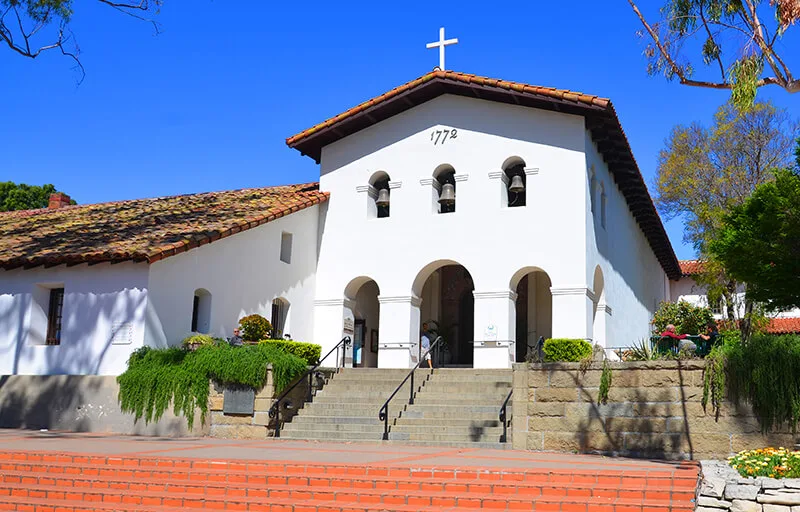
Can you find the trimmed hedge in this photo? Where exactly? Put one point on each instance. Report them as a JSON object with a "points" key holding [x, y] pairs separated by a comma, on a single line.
{"points": [[307, 351], [566, 350]]}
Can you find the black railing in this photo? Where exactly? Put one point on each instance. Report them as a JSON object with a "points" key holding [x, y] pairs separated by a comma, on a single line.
{"points": [[504, 417], [274, 411], [383, 414]]}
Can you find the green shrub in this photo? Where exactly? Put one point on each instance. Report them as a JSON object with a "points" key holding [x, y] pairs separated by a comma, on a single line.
{"points": [[687, 318], [255, 328], [198, 339], [307, 351], [566, 349], [157, 377]]}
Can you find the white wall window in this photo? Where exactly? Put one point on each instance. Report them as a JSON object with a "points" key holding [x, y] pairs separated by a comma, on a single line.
{"points": [[46, 313], [445, 177], [378, 195], [515, 181], [54, 310], [592, 188], [286, 247], [280, 312], [201, 311]]}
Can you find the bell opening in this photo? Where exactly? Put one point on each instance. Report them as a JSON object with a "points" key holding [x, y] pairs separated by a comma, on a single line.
{"points": [[516, 186]]}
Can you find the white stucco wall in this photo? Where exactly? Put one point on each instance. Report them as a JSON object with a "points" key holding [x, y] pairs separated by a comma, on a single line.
{"points": [[98, 301], [243, 274], [634, 281], [491, 240]]}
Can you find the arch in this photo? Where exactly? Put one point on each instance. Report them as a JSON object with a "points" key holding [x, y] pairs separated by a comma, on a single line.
{"points": [[378, 177], [599, 318], [598, 286], [533, 308], [280, 316], [515, 166], [364, 309], [378, 182], [426, 272], [351, 289], [201, 311]]}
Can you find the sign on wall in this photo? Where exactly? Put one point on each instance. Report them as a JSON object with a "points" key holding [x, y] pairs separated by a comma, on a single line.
{"points": [[121, 333]]}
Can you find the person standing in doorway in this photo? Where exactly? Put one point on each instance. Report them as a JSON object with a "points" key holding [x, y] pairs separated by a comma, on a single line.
{"points": [[425, 341]]}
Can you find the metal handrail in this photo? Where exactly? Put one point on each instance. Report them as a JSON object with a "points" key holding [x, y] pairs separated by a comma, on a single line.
{"points": [[383, 414], [504, 417], [274, 411]]}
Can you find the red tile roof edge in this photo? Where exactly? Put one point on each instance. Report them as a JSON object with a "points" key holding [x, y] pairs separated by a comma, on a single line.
{"points": [[561, 94], [691, 267], [783, 325]]}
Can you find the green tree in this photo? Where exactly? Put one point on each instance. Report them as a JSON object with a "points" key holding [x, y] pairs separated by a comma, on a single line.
{"points": [[739, 41], [705, 172], [759, 242], [33, 27], [20, 196]]}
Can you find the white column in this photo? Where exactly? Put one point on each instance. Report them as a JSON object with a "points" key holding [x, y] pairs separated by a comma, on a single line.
{"points": [[572, 312], [398, 337], [495, 329], [331, 325], [600, 324]]}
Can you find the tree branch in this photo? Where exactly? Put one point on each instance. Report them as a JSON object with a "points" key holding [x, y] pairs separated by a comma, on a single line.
{"points": [[710, 36]]}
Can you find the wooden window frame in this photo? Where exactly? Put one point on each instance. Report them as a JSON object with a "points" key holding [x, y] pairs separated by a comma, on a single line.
{"points": [[55, 309]]}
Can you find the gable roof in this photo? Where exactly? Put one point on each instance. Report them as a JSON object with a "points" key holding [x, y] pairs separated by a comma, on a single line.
{"points": [[142, 230], [601, 120]]}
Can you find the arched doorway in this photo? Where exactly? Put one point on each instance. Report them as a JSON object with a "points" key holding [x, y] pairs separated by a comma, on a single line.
{"points": [[534, 309], [362, 296], [448, 306]]}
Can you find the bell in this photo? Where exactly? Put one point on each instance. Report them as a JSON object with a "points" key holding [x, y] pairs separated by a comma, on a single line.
{"points": [[516, 184], [383, 197], [448, 195]]}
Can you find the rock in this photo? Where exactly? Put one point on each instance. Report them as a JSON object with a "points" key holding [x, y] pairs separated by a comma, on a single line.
{"points": [[781, 498], [770, 483], [708, 509], [705, 501], [792, 483], [777, 508], [741, 492], [712, 487], [740, 480], [745, 506]]}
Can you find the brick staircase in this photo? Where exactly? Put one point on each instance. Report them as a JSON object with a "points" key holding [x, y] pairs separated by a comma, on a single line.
{"points": [[452, 407], [43, 481]]}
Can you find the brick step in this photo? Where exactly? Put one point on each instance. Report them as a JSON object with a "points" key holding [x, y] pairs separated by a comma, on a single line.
{"points": [[243, 471], [458, 411], [89, 483], [308, 418], [437, 428], [331, 435], [466, 387], [339, 427], [467, 437], [405, 420], [247, 497], [484, 401]]}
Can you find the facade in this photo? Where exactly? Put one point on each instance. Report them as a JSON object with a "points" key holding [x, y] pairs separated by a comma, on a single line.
{"points": [[495, 212]]}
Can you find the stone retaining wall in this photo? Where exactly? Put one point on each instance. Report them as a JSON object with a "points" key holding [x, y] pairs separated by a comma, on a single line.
{"points": [[723, 490], [653, 410]]}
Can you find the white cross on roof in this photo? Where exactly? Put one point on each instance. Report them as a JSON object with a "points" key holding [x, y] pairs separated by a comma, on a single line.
{"points": [[441, 43]]}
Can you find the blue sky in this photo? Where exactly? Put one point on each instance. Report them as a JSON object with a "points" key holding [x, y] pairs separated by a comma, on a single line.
{"points": [[208, 103]]}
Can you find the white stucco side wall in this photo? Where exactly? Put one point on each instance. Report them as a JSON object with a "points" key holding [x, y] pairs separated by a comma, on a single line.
{"points": [[102, 319], [491, 240], [634, 282], [243, 274]]}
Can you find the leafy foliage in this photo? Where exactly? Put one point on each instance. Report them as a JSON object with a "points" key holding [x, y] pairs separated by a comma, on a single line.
{"points": [[762, 373], [157, 377], [198, 339], [769, 462], [733, 38], [566, 350], [255, 328], [687, 318], [759, 242], [309, 352], [20, 196], [605, 383], [641, 351]]}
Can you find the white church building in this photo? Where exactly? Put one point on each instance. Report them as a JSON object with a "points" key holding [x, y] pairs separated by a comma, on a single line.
{"points": [[496, 211]]}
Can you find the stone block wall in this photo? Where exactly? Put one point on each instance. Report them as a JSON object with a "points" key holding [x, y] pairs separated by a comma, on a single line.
{"points": [[722, 489], [653, 410]]}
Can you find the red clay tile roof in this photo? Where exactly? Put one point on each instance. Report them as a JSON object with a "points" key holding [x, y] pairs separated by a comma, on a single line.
{"points": [[601, 121], [142, 230], [783, 326], [691, 267]]}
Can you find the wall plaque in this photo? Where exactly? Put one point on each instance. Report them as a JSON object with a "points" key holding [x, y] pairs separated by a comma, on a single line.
{"points": [[121, 333], [238, 400]]}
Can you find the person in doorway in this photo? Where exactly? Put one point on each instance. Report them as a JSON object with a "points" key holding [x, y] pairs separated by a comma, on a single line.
{"points": [[236, 340], [425, 340]]}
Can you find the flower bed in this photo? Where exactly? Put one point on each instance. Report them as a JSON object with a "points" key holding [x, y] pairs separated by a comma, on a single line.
{"points": [[770, 462]]}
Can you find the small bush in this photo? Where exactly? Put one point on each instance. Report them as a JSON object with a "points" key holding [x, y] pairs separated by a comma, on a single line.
{"points": [[198, 339], [770, 462], [566, 350], [687, 318], [255, 328], [308, 351]]}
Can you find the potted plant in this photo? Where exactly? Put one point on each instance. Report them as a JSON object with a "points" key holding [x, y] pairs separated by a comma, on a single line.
{"points": [[255, 328], [196, 340]]}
